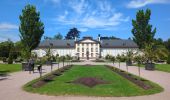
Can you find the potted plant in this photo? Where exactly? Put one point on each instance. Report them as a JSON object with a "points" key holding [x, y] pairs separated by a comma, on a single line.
{"points": [[129, 57], [151, 53]]}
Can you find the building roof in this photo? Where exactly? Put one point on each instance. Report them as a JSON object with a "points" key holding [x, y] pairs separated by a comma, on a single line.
{"points": [[103, 43], [118, 44], [57, 44]]}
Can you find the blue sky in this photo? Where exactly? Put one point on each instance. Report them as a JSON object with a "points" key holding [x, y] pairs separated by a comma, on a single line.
{"points": [[91, 17]]}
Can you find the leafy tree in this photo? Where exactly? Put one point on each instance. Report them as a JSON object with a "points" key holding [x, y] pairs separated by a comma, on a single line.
{"points": [[168, 59], [142, 30], [167, 44], [159, 41], [152, 52], [31, 28], [111, 37], [74, 32], [47, 38], [58, 36], [5, 48]]}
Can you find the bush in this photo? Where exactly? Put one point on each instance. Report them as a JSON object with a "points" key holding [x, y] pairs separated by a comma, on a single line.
{"points": [[10, 59], [168, 60], [4, 59], [121, 58], [108, 57]]}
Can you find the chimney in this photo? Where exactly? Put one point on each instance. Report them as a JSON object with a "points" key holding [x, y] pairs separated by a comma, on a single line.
{"points": [[98, 37]]}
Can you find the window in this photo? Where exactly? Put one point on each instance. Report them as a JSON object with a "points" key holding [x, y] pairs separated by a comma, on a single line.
{"points": [[77, 49], [82, 54], [91, 49], [96, 49], [82, 44], [91, 54], [87, 44], [82, 49], [77, 44], [91, 44]]}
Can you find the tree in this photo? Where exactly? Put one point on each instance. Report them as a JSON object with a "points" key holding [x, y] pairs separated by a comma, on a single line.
{"points": [[153, 53], [5, 48], [58, 36], [168, 59], [138, 59], [73, 33], [31, 28], [167, 44], [142, 30], [111, 38]]}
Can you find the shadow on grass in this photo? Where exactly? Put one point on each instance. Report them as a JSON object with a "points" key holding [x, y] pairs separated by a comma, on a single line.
{"points": [[4, 73]]}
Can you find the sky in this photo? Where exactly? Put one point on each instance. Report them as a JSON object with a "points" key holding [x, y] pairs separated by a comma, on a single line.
{"points": [[91, 17]]}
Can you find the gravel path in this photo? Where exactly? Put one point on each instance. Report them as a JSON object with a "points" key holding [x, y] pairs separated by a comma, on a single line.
{"points": [[11, 88]]}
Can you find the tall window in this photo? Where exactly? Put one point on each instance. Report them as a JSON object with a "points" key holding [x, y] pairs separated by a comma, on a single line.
{"points": [[82, 44], [91, 54], [96, 49], [82, 54], [78, 50], [91, 44], [91, 49], [82, 49]]}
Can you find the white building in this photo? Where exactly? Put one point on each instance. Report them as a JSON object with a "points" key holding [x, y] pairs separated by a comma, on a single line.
{"points": [[86, 48]]}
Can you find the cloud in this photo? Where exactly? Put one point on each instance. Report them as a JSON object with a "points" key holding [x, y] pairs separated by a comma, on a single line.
{"points": [[4, 36], [8, 31], [99, 14], [82, 29], [53, 1], [142, 3], [8, 26]]}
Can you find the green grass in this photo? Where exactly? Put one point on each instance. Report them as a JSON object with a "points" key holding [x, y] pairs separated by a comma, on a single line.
{"points": [[118, 85], [163, 67], [160, 67], [8, 68]]}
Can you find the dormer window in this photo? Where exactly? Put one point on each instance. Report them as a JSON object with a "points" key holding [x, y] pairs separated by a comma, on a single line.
{"points": [[68, 44]]}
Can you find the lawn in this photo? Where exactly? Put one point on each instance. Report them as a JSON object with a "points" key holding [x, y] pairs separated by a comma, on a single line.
{"points": [[161, 67], [8, 68], [117, 86]]}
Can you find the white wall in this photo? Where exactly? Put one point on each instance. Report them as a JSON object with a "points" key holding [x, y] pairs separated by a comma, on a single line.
{"points": [[61, 52], [115, 51]]}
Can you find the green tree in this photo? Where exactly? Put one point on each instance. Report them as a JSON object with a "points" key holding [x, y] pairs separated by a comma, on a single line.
{"points": [[58, 36], [31, 28], [142, 30], [74, 32], [167, 44], [5, 48], [168, 59], [152, 52]]}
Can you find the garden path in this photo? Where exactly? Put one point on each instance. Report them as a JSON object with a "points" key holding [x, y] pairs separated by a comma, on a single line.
{"points": [[11, 88]]}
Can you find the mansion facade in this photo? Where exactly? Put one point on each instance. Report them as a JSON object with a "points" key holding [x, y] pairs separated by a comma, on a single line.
{"points": [[86, 48]]}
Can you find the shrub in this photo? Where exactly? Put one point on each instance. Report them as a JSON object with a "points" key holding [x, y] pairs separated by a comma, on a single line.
{"points": [[10, 59], [168, 60], [108, 57], [4, 59]]}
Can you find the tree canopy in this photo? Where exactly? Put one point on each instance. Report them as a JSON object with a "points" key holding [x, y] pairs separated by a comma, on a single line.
{"points": [[142, 30], [58, 36], [31, 28], [74, 32]]}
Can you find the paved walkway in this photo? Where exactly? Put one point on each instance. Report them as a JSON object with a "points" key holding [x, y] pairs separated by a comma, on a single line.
{"points": [[11, 88]]}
